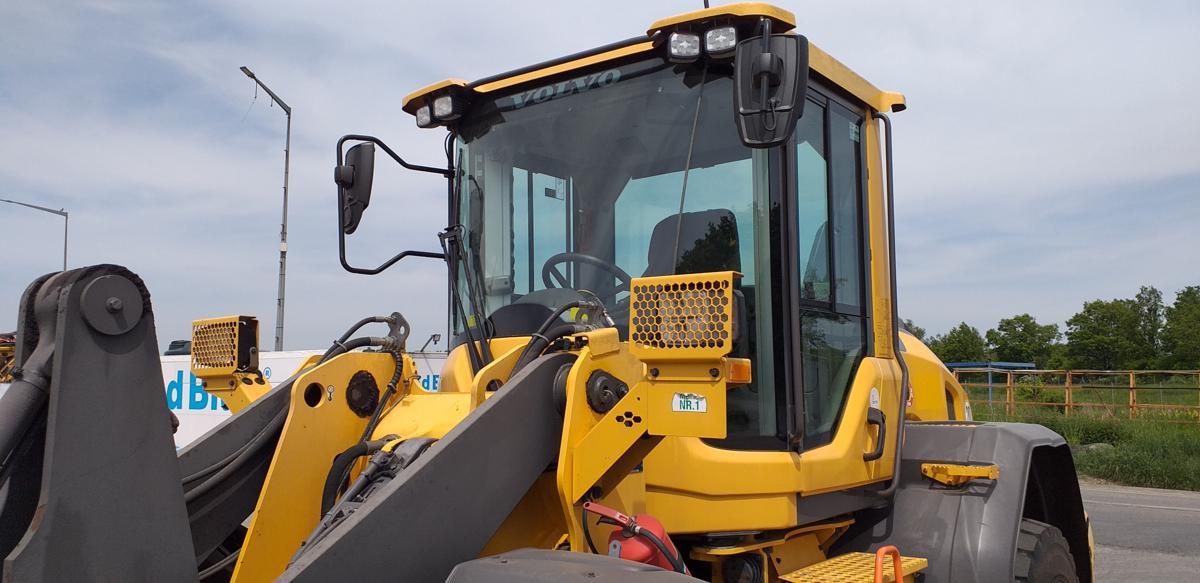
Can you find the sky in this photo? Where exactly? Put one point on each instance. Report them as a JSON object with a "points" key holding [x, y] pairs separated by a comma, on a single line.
{"points": [[1050, 154]]}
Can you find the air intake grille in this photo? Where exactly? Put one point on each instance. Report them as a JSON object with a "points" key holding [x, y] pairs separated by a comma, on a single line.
{"points": [[215, 345], [682, 317]]}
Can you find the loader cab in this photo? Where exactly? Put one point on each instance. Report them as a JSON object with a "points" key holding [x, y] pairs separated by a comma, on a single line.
{"points": [[572, 184]]}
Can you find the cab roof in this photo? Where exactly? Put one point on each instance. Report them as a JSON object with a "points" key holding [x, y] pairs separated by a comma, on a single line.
{"points": [[782, 21]]}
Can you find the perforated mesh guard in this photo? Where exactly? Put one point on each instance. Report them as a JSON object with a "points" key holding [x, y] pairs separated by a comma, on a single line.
{"points": [[682, 317], [214, 345]]}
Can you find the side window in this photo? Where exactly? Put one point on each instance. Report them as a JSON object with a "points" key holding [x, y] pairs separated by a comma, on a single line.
{"points": [[830, 263], [541, 225], [845, 129], [812, 204]]}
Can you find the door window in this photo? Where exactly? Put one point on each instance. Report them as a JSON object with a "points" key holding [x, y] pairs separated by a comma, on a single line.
{"points": [[829, 227]]}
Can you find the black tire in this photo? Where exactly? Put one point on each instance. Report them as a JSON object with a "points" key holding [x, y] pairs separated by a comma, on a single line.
{"points": [[1043, 555]]}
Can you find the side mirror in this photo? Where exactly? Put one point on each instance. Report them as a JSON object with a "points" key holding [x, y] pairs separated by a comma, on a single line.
{"points": [[770, 81], [354, 184]]}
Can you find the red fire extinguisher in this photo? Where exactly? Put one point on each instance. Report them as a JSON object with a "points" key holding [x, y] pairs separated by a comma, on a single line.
{"points": [[640, 538]]}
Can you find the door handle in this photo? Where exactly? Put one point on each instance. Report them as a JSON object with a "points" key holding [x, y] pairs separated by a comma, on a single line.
{"points": [[876, 417]]}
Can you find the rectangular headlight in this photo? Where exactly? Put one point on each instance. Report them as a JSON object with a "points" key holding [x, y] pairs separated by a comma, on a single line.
{"points": [[424, 119], [720, 42], [444, 108], [683, 46]]}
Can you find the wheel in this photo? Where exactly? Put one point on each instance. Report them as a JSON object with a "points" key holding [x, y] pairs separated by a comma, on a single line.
{"points": [[1043, 555]]}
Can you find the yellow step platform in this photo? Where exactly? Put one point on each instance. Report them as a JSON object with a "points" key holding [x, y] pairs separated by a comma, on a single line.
{"points": [[854, 568]]}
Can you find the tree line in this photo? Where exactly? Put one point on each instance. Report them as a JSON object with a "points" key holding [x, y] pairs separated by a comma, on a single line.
{"points": [[1135, 333]]}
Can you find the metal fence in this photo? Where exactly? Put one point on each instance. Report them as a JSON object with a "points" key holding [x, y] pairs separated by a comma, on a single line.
{"points": [[1161, 395]]}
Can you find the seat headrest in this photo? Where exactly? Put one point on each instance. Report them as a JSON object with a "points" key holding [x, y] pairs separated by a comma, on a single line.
{"points": [[708, 241]]}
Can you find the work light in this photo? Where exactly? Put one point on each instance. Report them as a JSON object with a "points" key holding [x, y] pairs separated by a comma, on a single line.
{"points": [[720, 42], [445, 108], [683, 46], [424, 120]]}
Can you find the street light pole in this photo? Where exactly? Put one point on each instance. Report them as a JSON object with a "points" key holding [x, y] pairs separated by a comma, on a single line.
{"points": [[287, 158], [60, 212]]}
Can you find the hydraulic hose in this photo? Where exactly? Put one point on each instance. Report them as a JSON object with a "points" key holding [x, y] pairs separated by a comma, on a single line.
{"points": [[341, 465], [539, 341], [383, 400], [344, 347], [257, 442], [351, 331], [676, 562], [540, 334], [234, 460]]}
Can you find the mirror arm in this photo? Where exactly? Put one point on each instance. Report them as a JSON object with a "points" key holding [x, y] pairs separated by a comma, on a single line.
{"points": [[447, 172]]}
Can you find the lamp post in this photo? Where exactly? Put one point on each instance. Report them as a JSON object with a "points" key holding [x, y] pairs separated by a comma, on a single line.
{"points": [[287, 155], [60, 212]]}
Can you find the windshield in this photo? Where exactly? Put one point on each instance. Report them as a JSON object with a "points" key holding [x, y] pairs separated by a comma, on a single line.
{"points": [[634, 170]]}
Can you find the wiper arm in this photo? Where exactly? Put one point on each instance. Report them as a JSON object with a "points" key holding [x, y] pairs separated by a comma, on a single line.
{"points": [[452, 245], [687, 167]]}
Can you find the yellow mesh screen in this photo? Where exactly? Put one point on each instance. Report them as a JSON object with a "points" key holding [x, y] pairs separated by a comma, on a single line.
{"points": [[214, 344], [681, 317]]}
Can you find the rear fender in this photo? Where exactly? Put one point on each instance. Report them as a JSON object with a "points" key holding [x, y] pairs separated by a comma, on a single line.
{"points": [[970, 533]]}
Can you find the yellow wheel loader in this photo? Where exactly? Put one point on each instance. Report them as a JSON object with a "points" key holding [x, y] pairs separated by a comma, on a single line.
{"points": [[676, 357]]}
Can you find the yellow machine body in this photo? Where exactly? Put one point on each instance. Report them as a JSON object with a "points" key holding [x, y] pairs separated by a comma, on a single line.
{"points": [[656, 451]]}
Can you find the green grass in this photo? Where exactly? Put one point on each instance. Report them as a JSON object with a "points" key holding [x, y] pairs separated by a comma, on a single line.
{"points": [[1145, 453]]}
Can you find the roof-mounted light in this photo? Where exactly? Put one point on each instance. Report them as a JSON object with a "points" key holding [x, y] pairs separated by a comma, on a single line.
{"points": [[424, 119], [720, 42], [683, 47], [446, 108]]}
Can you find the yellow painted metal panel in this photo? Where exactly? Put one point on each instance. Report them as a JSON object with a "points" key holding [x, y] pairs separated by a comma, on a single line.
{"points": [[290, 503], [411, 102], [690, 409], [783, 20]]}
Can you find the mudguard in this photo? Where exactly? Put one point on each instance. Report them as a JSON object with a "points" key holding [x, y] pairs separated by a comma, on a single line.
{"points": [[970, 533]]}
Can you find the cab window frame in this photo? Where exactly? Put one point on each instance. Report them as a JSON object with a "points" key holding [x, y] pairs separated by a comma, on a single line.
{"points": [[822, 95]]}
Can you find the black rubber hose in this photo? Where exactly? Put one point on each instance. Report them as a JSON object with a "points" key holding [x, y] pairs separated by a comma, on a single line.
{"points": [[675, 560], [538, 342], [387, 395], [257, 442], [355, 328], [340, 346], [220, 565], [341, 466], [587, 533], [347, 346]]}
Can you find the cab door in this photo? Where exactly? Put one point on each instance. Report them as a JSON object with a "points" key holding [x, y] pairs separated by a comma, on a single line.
{"points": [[840, 391]]}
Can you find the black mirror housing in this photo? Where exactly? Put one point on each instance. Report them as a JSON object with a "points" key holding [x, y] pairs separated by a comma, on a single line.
{"points": [[770, 82], [354, 179]]}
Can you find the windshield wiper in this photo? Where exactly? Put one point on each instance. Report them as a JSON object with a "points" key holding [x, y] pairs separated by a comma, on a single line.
{"points": [[452, 246], [687, 166]]}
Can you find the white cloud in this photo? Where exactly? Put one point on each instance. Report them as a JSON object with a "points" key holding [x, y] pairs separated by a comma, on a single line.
{"points": [[131, 116]]}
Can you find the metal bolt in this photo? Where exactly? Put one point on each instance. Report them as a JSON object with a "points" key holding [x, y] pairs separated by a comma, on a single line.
{"points": [[714, 373], [113, 305], [653, 372]]}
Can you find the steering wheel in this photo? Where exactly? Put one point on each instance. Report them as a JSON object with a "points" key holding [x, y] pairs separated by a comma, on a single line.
{"points": [[552, 277]]}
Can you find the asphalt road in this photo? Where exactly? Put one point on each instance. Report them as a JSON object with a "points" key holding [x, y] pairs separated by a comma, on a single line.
{"points": [[1144, 534]]}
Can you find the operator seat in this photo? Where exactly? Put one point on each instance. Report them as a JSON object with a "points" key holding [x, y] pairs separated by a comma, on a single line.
{"points": [[708, 241]]}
